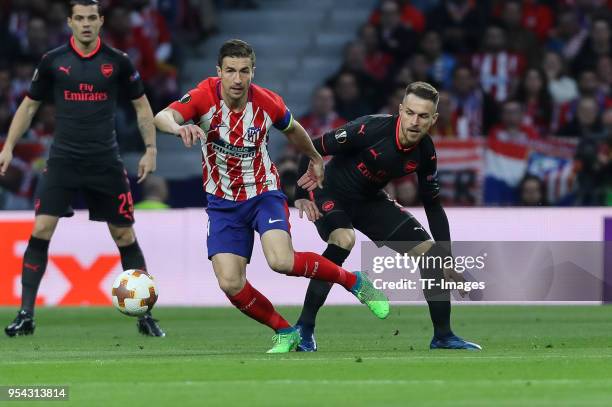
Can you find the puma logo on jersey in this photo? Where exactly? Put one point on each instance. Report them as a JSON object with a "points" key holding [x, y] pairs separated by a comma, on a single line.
{"points": [[361, 130], [65, 70], [33, 267], [374, 153]]}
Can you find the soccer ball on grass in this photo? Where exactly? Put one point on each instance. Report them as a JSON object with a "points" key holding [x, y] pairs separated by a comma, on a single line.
{"points": [[134, 292]]}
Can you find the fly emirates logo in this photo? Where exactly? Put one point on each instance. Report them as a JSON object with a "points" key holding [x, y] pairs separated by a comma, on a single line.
{"points": [[85, 94]]}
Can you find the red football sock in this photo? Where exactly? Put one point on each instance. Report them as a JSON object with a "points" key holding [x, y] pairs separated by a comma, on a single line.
{"points": [[254, 304], [314, 266]]}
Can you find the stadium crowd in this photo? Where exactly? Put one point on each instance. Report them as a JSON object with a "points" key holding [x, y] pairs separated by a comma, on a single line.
{"points": [[534, 74], [155, 35], [526, 82]]}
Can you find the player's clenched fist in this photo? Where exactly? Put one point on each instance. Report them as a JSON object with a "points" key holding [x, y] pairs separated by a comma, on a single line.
{"points": [[190, 133], [5, 159]]}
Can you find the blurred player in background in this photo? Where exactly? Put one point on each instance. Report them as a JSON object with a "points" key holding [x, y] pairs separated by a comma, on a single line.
{"points": [[83, 79], [233, 118], [368, 153]]}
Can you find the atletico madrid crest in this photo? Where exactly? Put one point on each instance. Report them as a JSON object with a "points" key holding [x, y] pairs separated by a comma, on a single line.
{"points": [[107, 70]]}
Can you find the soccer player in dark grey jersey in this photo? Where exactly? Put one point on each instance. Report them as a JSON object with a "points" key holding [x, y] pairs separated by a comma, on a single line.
{"points": [[368, 153], [83, 79]]}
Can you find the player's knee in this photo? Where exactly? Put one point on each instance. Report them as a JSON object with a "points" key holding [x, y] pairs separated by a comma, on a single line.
{"points": [[280, 262], [344, 238], [231, 286], [43, 230]]}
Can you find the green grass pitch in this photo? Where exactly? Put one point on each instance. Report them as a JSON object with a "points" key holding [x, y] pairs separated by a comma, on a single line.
{"points": [[534, 356]]}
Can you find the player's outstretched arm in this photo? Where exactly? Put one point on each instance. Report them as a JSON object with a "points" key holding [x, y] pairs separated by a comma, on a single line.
{"points": [[298, 136], [21, 122], [144, 115], [170, 121]]}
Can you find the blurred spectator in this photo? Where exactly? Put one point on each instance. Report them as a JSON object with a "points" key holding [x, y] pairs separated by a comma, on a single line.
{"points": [[393, 102], [403, 77], [523, 41], [151, 23], [604, 74], [322, 116], [18, 19], [154, 193], [43, 124], [532, 191], [349, 103], [410, 15], [561, 87], [511, 129], [594, 159], [120, 34], [377, 62], [533, 93], [354, 62], [395, 38], [568, 36], [586, 123], [5, 119], [420, 68], [475, 110], [9, 50], [496, 66], [588, 86], [36, 42], [538, 18], [597, 45], [441, 64], [57, 29], [23, 69], [459, 22], [5, 92], [446, 126]]}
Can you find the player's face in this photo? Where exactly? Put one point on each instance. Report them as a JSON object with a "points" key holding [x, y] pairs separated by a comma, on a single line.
{"points": [[236, 75], [417, 115], [85, 23]]}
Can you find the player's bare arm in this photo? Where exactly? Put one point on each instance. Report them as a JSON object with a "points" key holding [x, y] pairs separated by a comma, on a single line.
{"points": [[172, 122], [144, 115], [20, 124], [298, 136]]}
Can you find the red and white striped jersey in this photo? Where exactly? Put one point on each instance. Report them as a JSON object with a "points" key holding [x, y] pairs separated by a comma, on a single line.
{"points": [[498, 72], [235, 161]]}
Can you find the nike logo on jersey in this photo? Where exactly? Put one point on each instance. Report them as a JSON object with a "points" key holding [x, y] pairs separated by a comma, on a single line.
{"points": [[65, 70], [270, 220]]}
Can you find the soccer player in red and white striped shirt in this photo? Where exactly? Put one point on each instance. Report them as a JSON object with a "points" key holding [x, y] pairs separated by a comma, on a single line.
{"points": [[233, 117]]}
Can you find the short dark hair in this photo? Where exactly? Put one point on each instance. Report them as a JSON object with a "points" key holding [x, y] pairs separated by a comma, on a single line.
{"points": [[423, 90], [83, 3], [237, 49]]}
